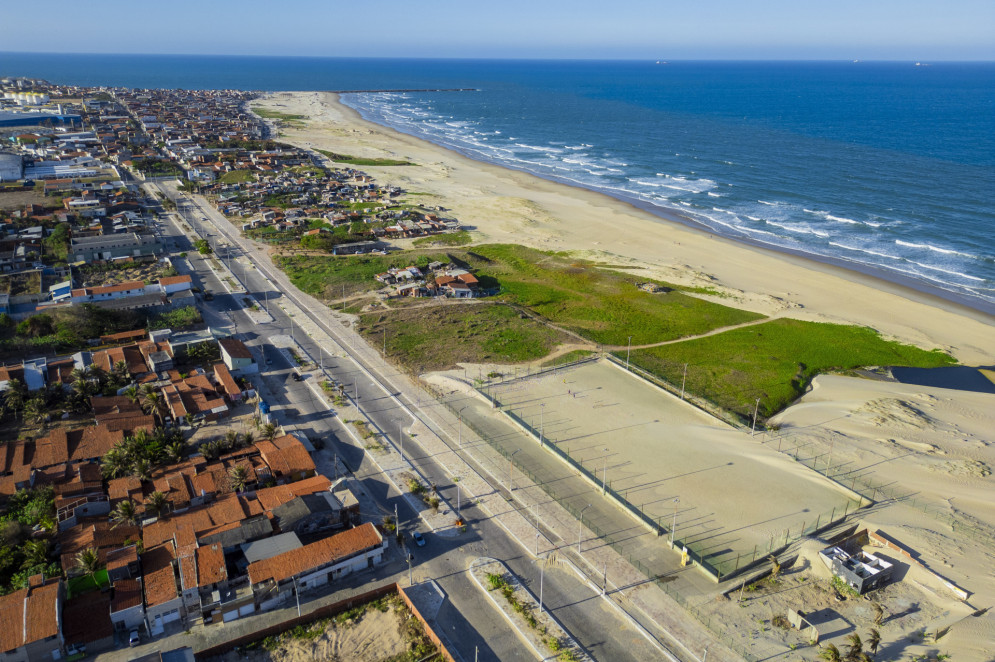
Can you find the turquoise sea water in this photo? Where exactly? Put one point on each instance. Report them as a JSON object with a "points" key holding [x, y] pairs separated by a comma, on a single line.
{"points": [[884, 167]]}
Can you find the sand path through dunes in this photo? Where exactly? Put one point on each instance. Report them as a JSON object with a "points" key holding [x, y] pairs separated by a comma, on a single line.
{"points": [[503, 205]]}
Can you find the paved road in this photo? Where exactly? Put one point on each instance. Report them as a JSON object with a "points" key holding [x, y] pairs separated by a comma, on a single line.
{"points": [[605, 634]]}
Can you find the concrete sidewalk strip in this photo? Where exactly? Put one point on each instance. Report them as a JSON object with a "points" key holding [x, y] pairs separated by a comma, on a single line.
{"points": [[549, 629]]}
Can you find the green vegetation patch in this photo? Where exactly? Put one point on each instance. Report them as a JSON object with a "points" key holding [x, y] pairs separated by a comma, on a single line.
{"points": [[436, 337], [361, 161], [601, 304], [775, 361], [86, 583], [276, 115], [237, 177], [461, 238], [327, 276]]}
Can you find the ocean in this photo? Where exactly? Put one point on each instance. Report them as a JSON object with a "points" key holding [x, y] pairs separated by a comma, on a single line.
{"points": [[885, 167]]}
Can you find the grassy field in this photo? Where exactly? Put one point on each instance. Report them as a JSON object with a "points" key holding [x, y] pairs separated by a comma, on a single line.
{"points": [[276, 115], [237, 177], [775, 361], [438, 336], [360, 161], [461, 238], [600, 304], [325, 276]]}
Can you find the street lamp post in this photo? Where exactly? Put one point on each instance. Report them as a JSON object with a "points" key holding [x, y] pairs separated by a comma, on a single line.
{"points": [[459, 434], [604, 580], [580, 524], [542, 407], [673, 528], [756, 409], [400, 437], [511, 466], [627, 350], [457, 502], [604, 474], [297, 594], [684, 380]]}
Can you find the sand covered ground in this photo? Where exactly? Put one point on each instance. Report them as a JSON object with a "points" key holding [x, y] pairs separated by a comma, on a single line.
{"points": [[504, 205], [653, 448]]}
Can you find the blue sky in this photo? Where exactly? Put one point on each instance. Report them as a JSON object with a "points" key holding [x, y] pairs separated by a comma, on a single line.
{"points": [[689, 29]]}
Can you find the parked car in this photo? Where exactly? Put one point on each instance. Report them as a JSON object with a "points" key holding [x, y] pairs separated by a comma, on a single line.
{"points": [[418, 538], [133, 638]]}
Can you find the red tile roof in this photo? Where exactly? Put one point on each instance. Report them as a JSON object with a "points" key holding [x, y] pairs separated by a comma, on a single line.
{"points": [[235, 348], [160, 582], [87, 618], [174, 280], [127, 594], [29, 615], [211, 565], [309, 557]]}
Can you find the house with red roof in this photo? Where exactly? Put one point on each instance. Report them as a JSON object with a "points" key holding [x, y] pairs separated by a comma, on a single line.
{"points": [[31, 622]]}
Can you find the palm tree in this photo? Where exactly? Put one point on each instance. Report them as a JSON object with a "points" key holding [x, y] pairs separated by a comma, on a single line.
{"points": [[131, 393], [35, 553], [238, 475], [142, 469], [176, 451], [34, 411], [98, 375], [80, 383], [231, 440], [873, 641], [830, 654], [153, 404], [248, 438], [16, 394], [856, 647], [88, 562], [120, 372], [878, 613], [156, 504], [124, 513], [269, 431], [114, 463]]}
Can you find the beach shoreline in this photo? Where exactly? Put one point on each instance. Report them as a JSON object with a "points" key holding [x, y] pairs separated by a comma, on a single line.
{"points": [[774, 281]]}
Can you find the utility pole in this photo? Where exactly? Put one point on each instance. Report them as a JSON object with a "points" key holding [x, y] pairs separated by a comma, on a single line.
{"points": [[627, 350], [673, 528], [604, 580], [511, 466], [459, 434], [684, 381], [458, 515], [580, 524], [385, 345], [542, 407], [604, 474], [400, 436], [297, 594], [756, 409]]}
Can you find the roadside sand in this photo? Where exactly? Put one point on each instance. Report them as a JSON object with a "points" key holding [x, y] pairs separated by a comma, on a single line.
{"points": [[504, 205], [374, 637]]}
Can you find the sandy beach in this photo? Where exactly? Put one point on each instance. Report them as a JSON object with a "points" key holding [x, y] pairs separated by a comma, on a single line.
{"points": [[503, 205], [935, 445]]}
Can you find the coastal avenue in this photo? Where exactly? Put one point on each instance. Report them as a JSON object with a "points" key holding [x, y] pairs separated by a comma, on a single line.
{"points": [[603, 632]]}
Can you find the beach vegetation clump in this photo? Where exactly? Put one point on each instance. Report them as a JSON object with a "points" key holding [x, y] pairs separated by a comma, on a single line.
{"points": [[775, 361]]}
